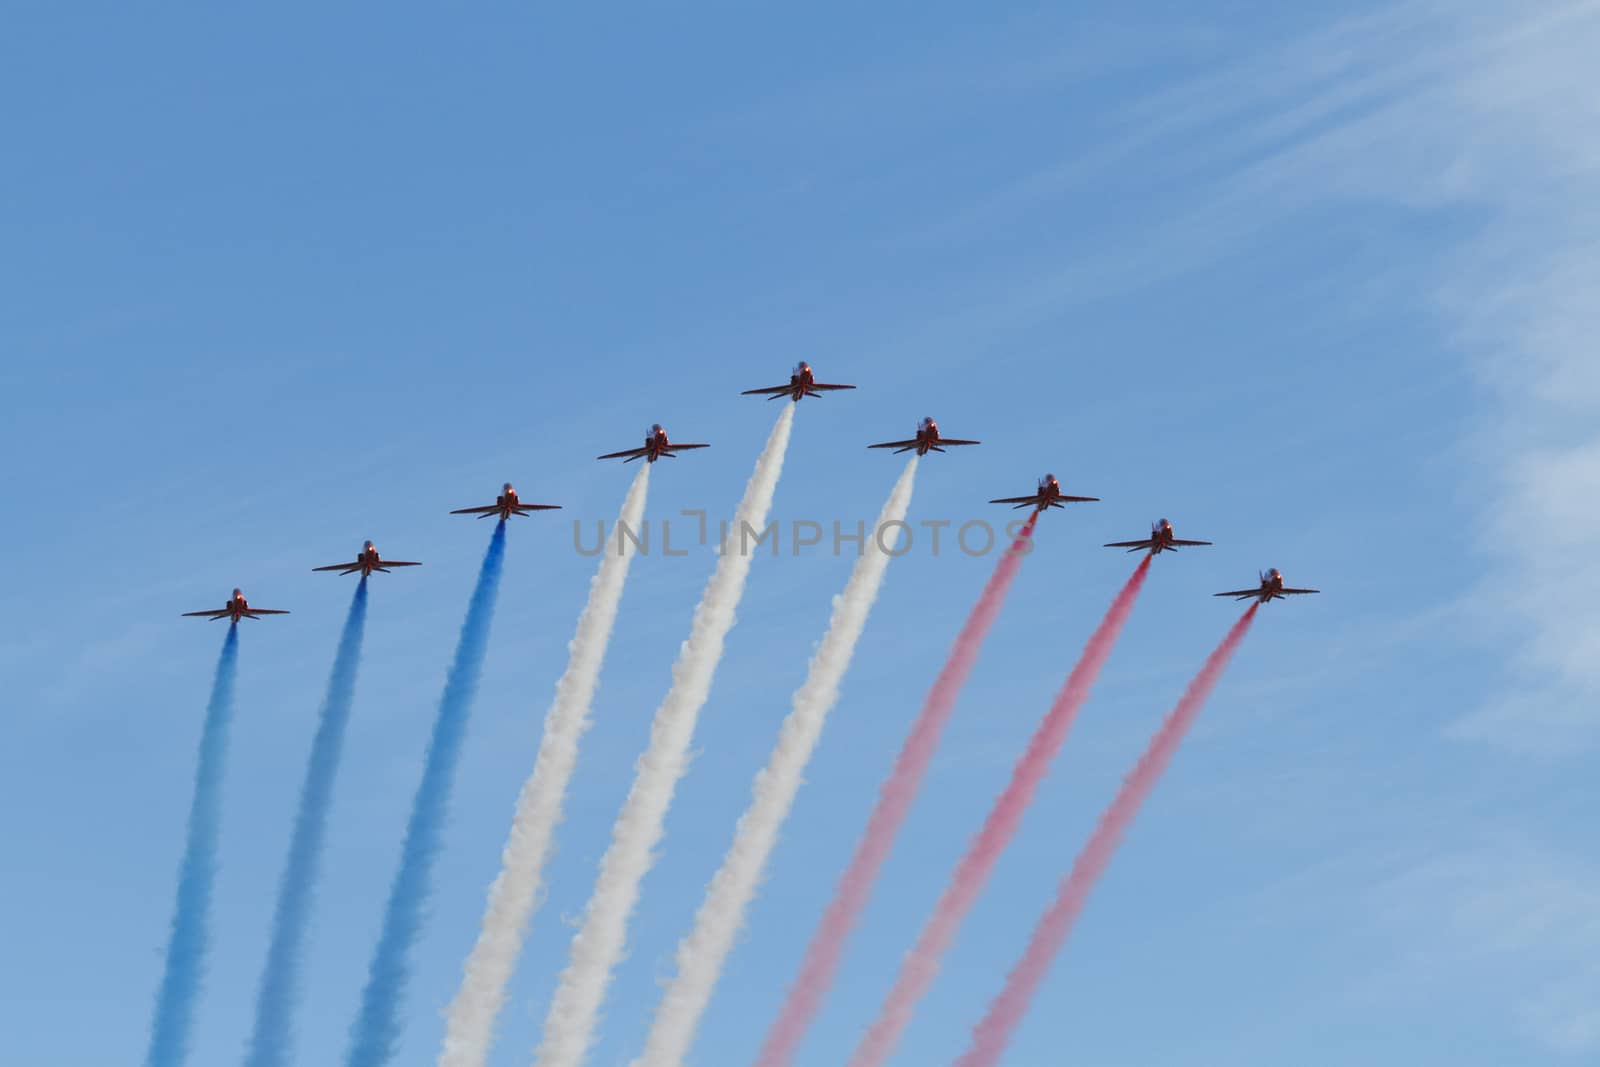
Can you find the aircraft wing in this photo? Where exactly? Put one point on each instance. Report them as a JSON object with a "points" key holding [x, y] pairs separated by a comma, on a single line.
{"points": [[1189, 544], [958, 441], [820, 385], [1297, 592], [536, 507], [266, 611], [675, 447], [1241, 593], [1018, 500], [895, 444], [627, 454], [1148, 542], [346, 567], [772, 391], [1078, 499], [219, 613], [396, 563], [487, 510]]}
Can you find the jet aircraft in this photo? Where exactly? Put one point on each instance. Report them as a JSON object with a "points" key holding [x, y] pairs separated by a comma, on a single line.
{"points": [[802, 383], [367, 562], [656, 445], [927, 440], [505, 505], [1271, 588], [235, 607], [1160, 540], [1048, 495]]}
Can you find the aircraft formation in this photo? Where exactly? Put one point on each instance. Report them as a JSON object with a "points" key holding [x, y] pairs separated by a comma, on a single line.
{"points": [[802, 384]]}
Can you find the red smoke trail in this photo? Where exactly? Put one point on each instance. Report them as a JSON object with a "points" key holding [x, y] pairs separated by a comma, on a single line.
{"points": [[921, 965], [894, 801], [990, 1037]]}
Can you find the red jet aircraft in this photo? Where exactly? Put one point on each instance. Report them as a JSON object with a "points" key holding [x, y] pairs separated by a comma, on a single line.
{"points": [[506, 505], [235, 607], [656, 445], [1160, 540], [1049, 495], [801, 384], [927, 440], [367, 562], [1271, 588]]}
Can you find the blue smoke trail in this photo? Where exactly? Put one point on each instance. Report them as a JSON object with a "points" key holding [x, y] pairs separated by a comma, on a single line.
{"points": [[189, 940], [377, 1027], [272, 1041]]}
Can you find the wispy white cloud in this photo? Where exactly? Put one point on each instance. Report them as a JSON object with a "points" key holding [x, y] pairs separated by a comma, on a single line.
{"points": [[1505, 127], [1482, 114], [1521, 923], [1498, 125], [1522, 122]]}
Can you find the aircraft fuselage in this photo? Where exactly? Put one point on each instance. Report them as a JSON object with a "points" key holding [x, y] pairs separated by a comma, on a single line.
{"points": [[1161, 537], [368, 559], [800, 381]]}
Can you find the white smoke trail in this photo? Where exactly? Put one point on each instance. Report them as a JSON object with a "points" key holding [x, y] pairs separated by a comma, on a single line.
{"points": [[575, 1010], [469, 1028], [721, 915]]}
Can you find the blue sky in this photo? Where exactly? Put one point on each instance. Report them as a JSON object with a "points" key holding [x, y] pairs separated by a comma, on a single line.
{"points": [[1316, 284]]}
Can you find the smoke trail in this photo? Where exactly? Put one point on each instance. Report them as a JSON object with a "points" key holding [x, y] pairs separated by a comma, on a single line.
{"points": [[272, 1040], [894, 801], [702, 953], [990, 1036], [190, 936], [574, 1012], [469, 1029], [921, 965], [377, 1027]]}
